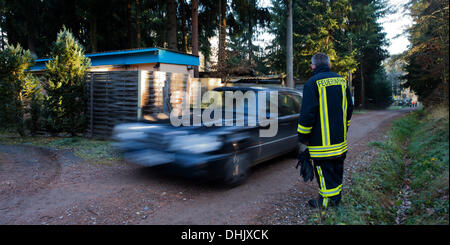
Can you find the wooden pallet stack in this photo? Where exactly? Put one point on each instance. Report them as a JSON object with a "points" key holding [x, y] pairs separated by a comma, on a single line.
{"points": [[116, 97], [111, 99]]}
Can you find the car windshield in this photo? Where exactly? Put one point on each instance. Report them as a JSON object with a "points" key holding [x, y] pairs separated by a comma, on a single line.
{"points": [[217, 99]]}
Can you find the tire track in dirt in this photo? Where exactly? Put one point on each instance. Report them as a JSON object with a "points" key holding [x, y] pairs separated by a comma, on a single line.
{"points": [[24, 175]]}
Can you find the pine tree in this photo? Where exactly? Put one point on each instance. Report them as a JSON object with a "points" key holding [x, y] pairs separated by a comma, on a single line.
{"points": [[368, 40], [64, 76], [318, 26]]}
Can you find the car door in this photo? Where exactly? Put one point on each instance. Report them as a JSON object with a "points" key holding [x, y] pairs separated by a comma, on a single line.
{"points": [[286, 137], [289, 110], [264, 145]]}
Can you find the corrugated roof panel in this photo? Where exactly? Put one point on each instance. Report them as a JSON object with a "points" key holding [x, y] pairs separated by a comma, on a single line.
{"points": [[133, 56], [169, 57]]}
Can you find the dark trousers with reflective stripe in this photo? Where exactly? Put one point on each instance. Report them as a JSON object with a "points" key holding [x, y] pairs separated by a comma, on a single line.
{"points": [[329, 174]]}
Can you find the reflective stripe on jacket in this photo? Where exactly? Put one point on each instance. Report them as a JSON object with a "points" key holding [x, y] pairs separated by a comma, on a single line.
{"points": [[327, 107]]}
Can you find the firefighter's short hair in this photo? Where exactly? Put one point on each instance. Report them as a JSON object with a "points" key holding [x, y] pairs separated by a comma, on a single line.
{"points": [[320, 59]]}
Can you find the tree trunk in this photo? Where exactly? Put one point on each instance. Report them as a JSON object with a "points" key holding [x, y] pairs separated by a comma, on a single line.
{"points": [[184, 41], [19, 114], [93, 33], [30, 41], [3, 39], [195, 32], [222, 36], [129, 35], [30, 30], [350, 77], [138, 24], [250, 36], [289, 48], [362, 98], [250, 32], [172, 25]]}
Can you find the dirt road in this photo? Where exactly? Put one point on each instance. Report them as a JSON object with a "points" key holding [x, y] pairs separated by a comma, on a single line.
{"points": [[45, 186]]}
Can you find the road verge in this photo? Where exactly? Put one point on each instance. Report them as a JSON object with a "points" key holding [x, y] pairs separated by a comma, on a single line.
{"points": [[407, 182]]}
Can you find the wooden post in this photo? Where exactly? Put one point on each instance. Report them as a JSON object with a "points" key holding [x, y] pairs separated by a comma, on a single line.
{"points": [[140, 94], [166, 97]]}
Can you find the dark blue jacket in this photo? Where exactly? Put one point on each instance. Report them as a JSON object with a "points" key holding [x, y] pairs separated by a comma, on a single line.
{"points": [[325, 115]]}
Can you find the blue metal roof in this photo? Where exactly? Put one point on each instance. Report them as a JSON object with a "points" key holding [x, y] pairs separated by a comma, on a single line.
{"points": [[133, 56]]}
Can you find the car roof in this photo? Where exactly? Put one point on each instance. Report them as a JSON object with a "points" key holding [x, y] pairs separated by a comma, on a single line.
{"points": [[256, 88]]}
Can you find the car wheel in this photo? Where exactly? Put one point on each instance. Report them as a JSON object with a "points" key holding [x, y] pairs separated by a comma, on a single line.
{"points": [[236, 170]]}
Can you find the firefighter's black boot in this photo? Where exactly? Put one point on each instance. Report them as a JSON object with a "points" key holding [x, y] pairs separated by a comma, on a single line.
{"points": [[314, 203], [317, 203]]}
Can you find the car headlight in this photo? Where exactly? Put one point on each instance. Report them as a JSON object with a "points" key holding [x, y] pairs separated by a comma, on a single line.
{"points": [[195, 143]]}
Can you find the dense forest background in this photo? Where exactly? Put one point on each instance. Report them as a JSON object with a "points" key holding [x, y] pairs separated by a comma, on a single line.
{"points": [[348, 30]]}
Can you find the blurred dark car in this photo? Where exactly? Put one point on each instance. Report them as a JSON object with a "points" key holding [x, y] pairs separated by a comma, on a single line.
{"points": [[224, 153]]}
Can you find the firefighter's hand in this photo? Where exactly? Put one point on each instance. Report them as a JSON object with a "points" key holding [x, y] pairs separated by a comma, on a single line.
{"points": [[302, 147]]}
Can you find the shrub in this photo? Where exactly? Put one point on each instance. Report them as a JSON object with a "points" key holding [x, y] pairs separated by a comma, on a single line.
{"points": [[34, 123], [17, 86]]}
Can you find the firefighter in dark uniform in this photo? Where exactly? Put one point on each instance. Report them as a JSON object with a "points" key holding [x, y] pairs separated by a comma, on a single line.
{"points": [[322, 128]]}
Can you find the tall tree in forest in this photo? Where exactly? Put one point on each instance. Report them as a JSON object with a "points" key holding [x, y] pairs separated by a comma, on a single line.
{"points": [[246, 20], [172, 24], [222, 36], [93, 32], [99, 25], [184, 13], [103, 25], [347, 30], [138, 23], [129, 28], [367, 40], [278, 27], [319, 26], [195, 32], [208, 23], [154, 23], [428, 59], [20, 20], [289, 48]]}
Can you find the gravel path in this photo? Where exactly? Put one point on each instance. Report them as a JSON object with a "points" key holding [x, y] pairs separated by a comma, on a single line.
{"points": [[45, 186]]}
